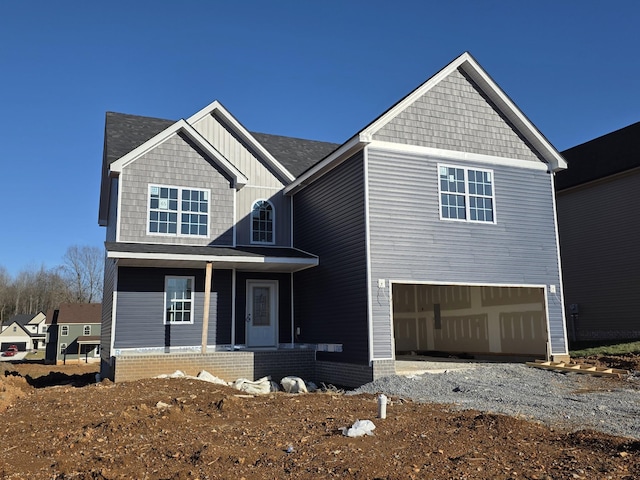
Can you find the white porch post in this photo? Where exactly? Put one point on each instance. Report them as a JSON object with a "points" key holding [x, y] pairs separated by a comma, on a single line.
{"points": [[207, 301]]}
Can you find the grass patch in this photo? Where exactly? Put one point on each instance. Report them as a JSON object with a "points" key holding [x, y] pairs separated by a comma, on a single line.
{"points": [[37, 355], [587, 349]]}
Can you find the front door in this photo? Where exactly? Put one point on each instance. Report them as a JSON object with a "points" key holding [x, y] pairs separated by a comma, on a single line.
{"points": [[262, 313]]}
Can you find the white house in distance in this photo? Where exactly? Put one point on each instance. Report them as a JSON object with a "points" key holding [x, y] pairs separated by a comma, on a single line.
{"points": [[25, 331]]}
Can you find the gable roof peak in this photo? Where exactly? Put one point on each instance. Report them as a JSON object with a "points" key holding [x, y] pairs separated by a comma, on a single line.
{"points": [[468, 64]]}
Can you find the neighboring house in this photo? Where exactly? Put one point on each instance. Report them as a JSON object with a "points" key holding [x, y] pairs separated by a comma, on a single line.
{"points": [[73, 333], [599, 227], [246, 254], [26, 331]]}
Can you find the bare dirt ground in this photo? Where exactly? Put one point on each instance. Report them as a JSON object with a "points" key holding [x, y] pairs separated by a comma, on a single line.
{"points": [[56, 424]]}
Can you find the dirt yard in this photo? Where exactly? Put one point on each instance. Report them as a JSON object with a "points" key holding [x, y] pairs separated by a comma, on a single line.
{"points": [[56, 424]]}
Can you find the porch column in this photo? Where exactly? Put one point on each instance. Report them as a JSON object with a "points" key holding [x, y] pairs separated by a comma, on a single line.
{"points": [[207, 301]]}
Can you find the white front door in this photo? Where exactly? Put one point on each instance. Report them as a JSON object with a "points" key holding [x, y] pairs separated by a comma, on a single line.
{"points": [[262, 313]]}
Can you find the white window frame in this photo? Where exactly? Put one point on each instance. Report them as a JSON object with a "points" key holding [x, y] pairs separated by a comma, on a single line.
{"points": [[273, 223], [84, 330], [63, 348], [468, 195], [179, 212], [191, 300], [64, 330]]}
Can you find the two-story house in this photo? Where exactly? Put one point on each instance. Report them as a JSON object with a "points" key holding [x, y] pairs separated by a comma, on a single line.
{"points": [[74, 333], [431, 229], [25, 331], [599, 226]]}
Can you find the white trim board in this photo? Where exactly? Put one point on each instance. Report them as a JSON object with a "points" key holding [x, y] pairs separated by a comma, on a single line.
{"points": [[457, 156]]}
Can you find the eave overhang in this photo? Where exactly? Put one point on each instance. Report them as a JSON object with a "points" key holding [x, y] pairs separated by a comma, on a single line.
{"points": [[344, 152], [270, 259]]}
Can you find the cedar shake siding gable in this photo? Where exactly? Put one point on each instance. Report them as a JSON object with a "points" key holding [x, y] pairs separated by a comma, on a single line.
{"points": [[331, 299], [175, 162], [456, 115]]}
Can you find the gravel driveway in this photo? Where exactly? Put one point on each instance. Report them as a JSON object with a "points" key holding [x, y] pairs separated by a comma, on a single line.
{"points": [[565, 400]]}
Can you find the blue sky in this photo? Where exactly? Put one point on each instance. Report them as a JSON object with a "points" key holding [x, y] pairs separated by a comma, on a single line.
{"points": [[317, 70]]}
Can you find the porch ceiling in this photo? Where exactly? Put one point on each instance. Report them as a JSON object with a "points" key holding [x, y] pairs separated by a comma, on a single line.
{"points": [[269, 259]]}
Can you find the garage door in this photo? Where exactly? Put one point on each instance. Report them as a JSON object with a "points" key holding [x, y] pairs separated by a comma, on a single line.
{"points": [[22, 346], [469, 319]]}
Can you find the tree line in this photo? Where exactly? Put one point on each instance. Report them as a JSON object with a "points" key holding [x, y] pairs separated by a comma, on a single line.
{"points": [[33, 290]]}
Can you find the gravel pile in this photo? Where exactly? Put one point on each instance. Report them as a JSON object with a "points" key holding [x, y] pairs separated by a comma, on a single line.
{"points": [[567, 400]]}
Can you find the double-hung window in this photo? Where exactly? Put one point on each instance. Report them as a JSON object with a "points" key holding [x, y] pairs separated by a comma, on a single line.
{"points": [[86, 330], [64, 330], [178, 210], [178, 304], [466, 194]]}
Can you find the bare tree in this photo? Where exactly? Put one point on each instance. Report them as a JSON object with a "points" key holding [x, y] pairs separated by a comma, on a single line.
{"points": [[83, 267]]}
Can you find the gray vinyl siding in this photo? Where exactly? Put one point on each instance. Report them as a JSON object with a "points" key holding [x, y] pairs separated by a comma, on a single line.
{"points": [[110, 270], [176, 162], [140, 315], [409, 241], [282, 210], [331, 299], [284, 303], [599, 228], [455, 115]]}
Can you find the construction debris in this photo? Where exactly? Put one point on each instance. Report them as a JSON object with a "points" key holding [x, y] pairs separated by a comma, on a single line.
{"points": [[579, 368]]}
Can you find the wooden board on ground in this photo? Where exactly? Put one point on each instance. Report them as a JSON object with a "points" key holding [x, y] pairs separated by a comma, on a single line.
{"points": [[579, 368]]}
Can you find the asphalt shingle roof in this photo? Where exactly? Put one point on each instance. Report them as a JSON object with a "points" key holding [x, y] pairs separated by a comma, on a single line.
{"points": [[601, 157], [124, 132]]}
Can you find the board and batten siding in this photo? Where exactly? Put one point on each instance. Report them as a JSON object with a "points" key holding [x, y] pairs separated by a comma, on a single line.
{"points": [[409, 242], [140, 313], [175, 162], [330, 300], [599, 229], [236, 151], [455, 115]]}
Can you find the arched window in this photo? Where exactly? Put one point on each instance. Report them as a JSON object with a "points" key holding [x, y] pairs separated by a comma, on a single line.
{"points": [[262, 215]]}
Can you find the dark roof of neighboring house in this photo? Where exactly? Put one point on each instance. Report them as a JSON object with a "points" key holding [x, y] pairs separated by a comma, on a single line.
{"points": [[125, 132], [76, 313], [21, 319], [601, 157]]}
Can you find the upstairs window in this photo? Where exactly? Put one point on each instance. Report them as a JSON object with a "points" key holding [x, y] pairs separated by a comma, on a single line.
{"points": [[466, 194], [179, 299], [178, 211], [87, 330], [262, 216], [64, 330]]}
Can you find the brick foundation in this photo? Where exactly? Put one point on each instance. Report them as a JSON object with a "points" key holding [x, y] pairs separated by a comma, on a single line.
{"points": [[251, 365], [226, 365]]}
